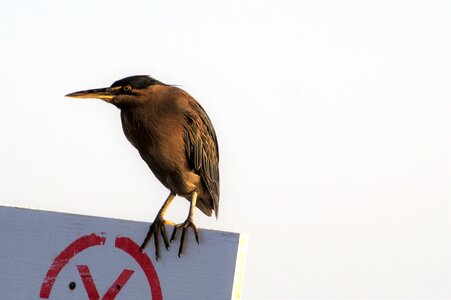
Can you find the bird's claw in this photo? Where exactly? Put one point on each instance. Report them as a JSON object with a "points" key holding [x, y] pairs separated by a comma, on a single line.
{"points": [[185, 225], [156, 228]]}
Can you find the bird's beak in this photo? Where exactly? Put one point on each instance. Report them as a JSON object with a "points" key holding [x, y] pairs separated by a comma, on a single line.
{"points": [[103, 93]]}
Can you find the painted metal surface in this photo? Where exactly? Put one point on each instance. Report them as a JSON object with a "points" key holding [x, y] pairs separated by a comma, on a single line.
{"points": [[50, 255]]}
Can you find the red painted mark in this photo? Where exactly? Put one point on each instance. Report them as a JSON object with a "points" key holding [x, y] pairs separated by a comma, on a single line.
{"points": [[63, 258], [91, 288], [88, 282], [125, 244], [118, 284], [129, 246]]}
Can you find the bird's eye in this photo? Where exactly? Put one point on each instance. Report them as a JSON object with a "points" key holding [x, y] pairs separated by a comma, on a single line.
{"points": [[127, 88]]}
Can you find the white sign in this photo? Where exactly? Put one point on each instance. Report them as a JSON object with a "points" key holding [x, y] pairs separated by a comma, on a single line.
{"points": [[49, 255]]}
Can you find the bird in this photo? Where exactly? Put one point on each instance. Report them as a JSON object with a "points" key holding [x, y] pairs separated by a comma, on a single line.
{"points": [[175, 137]]}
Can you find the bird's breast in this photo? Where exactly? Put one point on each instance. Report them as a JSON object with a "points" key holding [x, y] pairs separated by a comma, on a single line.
{"points": [[157, 136], [138, 133]]}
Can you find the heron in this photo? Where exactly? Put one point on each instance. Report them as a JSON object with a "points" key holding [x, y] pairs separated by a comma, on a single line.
{"points": [[175, 137]]}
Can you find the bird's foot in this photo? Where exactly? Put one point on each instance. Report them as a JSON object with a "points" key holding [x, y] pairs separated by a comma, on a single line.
{"points": [[185, 225], [155, 229]]}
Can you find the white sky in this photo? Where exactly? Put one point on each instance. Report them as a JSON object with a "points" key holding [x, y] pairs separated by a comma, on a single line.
{"points": [[333, 119]]}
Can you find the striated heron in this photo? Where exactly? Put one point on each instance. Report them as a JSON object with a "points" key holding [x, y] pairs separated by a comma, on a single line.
{"points": [[175, 137]]}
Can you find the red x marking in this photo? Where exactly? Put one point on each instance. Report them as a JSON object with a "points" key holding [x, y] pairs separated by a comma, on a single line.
{"points": [[82, 243], [91, 288]]}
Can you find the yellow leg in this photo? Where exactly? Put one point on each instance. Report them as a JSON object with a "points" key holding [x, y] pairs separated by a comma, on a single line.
{"points": [[157, 227], [189, 222], [192, 205], [166, 204]]}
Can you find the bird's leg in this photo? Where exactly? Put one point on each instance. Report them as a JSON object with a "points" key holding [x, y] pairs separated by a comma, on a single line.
{"points": [[188, 223], [157, 227]]}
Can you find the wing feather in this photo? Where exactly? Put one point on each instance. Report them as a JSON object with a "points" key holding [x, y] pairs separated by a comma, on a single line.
{"points": [[201, 147]]}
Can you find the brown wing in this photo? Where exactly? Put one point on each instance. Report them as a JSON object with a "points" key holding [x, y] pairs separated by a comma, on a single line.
{"points": [[202, 152]]}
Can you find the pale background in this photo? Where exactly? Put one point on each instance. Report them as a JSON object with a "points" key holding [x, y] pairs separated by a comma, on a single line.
{"points": [[332, 118]]}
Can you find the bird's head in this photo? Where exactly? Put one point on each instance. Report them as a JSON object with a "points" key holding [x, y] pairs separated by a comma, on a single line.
{"points": [[122, 92]]}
